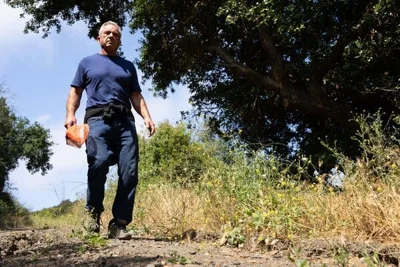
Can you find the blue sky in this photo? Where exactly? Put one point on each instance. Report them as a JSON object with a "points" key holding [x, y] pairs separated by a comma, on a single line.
{"points": [[37, 73]]}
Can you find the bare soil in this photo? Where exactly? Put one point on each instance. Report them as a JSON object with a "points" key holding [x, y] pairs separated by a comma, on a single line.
{"points": [[54, 247]]}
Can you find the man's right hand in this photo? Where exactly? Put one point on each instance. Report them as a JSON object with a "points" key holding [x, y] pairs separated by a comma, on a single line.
{"points": [[74, 98], [70, 121]]}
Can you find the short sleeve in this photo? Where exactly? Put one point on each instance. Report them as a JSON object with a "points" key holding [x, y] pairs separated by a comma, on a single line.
{"points": [[79, 79], [135, 81]]}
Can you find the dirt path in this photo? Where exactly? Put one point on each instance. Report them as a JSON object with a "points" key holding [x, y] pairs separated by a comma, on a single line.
{"points": [[55, 248]]}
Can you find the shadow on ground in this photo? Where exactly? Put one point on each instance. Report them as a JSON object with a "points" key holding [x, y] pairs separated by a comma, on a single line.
{"points": [[75, 254]]}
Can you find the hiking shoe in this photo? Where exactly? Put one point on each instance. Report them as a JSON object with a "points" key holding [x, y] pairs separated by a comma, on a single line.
{"points": [[118, 231], [92, 224]]}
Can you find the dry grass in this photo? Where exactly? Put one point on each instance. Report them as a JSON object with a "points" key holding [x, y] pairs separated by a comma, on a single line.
{"points": [[72, 220], [170, 211], [166, 210], [359, 213], [261, 200], [290, 210]]}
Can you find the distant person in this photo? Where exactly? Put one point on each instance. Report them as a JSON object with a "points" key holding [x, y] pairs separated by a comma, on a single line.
{"points": [[112, 88], [334, 179]]}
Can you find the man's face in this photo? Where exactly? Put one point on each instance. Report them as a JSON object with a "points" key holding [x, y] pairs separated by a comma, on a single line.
{"points": [[110, 37]]}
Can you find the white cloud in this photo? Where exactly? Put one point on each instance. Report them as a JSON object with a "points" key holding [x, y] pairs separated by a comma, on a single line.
{"points": [[78, 34], [79, 30], [29, 49], [163, 109], [43, 119], [67, 178], [11, 17]]}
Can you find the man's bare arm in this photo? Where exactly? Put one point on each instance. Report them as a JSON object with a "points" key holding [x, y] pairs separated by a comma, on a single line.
{"points": [[140, 106], [73, 102]]}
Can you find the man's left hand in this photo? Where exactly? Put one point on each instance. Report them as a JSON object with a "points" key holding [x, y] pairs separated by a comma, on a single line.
{"points": [[150, 125]]}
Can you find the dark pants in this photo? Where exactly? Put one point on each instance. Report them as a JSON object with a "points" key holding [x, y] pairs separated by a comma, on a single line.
{"points": [[107, 144]]}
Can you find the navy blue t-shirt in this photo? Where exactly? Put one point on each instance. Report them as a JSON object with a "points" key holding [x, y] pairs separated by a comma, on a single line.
{"points": [[106, 79]]}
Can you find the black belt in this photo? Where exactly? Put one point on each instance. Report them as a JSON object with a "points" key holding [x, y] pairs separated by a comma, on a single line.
{"points": [[108, 112]]}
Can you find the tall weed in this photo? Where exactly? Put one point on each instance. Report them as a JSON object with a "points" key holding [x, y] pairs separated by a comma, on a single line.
{"points": [[241, 194]]}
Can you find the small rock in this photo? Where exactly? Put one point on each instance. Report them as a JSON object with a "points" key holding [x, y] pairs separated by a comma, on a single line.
{"points": [[273, 252], [274, 242], [21, 252], [222, 241], [189, 234], [23, 243], [257, 256]]}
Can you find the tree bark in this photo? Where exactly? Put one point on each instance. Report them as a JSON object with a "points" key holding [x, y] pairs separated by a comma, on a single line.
{"points": [[297, 98]]}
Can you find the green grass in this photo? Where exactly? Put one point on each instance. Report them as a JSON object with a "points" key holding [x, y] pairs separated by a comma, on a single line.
{"points": [[243, 195]]}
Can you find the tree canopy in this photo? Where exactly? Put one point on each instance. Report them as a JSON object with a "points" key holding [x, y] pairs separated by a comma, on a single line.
{"points": [[272, 71], [21, 140]]}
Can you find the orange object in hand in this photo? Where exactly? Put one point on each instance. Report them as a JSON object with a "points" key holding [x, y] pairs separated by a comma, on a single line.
{"points": [[76, 135]]}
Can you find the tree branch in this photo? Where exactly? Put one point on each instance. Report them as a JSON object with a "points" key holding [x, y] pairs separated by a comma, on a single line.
{"points": [[273, 54], [298, 99], [246, 72], [320, 69]]}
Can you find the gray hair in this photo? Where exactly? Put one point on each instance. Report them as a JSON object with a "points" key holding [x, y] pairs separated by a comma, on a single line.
{"points": [[110, 23]]}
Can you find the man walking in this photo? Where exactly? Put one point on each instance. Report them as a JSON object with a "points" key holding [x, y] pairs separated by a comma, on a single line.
{"points": [[112, 87]]}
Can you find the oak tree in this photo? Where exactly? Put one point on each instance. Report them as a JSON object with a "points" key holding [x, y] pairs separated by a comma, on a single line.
{"points": [[273, 71]]}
